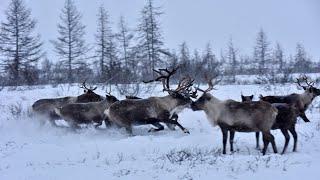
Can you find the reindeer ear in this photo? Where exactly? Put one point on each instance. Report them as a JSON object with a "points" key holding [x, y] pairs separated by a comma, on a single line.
{"points": [[243, 98]]}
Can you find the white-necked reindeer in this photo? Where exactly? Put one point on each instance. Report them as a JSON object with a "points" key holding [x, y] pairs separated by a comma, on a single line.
{"points": [[153, 110], [233, 116]]}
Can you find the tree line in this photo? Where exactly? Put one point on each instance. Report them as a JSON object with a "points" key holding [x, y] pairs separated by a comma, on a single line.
{"points": [[128, 54]]}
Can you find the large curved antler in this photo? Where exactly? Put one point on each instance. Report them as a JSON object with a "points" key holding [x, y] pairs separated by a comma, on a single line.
{"points": [[84, 86], [164, 77], [305, 79], [210, 83]]}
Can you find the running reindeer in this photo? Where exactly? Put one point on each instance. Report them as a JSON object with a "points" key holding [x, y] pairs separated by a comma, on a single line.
{"points": [[233, 116], [300, 101], [285, 120], [86, 113], [45, 107], [153, 110]]}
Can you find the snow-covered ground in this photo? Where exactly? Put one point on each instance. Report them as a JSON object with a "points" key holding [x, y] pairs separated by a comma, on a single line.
{"points": [[29, 151]]}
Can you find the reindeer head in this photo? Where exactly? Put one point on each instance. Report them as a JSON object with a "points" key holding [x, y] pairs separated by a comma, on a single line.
{"points": [[246, 98], [183, 93], [89, 94], [206, 97], [309, 86], [109, 97]]}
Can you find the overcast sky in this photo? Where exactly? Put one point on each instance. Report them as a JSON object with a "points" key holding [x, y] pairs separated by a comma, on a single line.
{"points": [[199, 22]]}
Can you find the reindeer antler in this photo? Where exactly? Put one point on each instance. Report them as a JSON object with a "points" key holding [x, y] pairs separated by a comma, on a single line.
{"points": [[84, 86], [306, 80], [210, 82], [109, 93], [185, 84], [164, 77]]}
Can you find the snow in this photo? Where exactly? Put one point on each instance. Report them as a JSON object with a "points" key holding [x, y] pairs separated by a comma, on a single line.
{"points": [[31, 151]]}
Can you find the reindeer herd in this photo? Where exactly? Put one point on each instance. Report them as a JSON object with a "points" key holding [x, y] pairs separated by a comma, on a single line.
{"points": [[269, 113]]}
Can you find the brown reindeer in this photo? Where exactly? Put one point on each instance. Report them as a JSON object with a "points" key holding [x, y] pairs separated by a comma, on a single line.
{"points": [[173, 117], [45, 107], [86, 113], [233, 116], [300, 101], [153, 110], [285, 120]]}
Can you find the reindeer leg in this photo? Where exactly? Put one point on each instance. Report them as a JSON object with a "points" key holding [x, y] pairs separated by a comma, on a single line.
{"points": [[98, 124], [231, 138], [224, 138], [287, 139], [268, 137], [295, 138], [107, 123], [257, 140], [304, 117], [129, 130], [265, 143], [175, 123], [73, 125], [53, 122], [158, 125], [174, 117], [273, 143]]}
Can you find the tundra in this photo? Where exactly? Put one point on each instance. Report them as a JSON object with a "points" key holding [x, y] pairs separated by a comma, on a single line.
{"points": [[233, 116]]}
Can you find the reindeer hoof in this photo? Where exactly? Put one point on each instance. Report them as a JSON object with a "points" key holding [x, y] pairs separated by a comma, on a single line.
{"points": [[186, 131]]}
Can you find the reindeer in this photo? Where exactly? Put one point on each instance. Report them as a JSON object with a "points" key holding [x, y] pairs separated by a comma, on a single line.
{"points": [[86, 113], [285, 120], [246, 98], [300, 101], [153, 110], [173, 117], [233, 116], [45, 107]]}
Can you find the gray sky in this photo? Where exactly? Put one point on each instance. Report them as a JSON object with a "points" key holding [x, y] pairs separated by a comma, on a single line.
{"points": [[199, 22]]}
